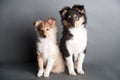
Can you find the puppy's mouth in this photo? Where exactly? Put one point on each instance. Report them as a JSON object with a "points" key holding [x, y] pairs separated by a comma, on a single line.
{"points": [[44, 36]]}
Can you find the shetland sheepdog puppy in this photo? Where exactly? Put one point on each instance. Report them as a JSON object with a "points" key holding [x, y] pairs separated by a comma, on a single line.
{"points": [[48, 54], [74, 40]]}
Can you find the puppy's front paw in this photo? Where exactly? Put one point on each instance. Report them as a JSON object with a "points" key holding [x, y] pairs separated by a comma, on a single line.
{"points": [[72, 73], [40, 73], [46, 74], [81, 72]]}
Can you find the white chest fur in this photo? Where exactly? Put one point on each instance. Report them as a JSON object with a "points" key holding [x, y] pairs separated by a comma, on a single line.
{"points": [[79, 40], [47, 48]]}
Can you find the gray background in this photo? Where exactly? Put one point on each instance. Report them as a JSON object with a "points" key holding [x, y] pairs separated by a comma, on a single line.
{"points": [[17, 38]]}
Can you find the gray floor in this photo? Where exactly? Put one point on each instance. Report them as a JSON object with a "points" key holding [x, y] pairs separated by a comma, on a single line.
{"points": [[28, 72], [17, 38]]}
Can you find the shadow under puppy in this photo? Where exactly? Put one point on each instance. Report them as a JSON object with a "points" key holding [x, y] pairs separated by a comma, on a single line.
{"points": [[48, 53], [74, 40]]}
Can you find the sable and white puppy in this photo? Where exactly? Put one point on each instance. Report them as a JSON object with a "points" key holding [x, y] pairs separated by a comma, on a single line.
{"points": [[74, 40], [48, 53]]}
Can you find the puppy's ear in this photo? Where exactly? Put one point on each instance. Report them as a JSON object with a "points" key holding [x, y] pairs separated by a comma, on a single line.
{"points": [[51, 21], [64, 11], [37, 23], [79, 8]]}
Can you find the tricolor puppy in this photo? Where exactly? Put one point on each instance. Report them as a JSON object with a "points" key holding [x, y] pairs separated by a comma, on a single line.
{"points": [[74, 40], [48, 53]]}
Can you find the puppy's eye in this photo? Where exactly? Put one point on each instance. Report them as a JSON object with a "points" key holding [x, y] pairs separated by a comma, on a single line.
{"points": [[76, 17], [47, 29], [69, 16], [41, 30]]}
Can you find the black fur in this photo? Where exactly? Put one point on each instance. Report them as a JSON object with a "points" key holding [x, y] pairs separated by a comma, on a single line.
{"points": [[65, 13], [85, 50], [66, 36], [79, 10]]}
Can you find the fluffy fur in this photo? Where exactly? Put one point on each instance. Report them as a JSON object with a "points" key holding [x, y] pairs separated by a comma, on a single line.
{"points": [[49, 56], [74, 40]]}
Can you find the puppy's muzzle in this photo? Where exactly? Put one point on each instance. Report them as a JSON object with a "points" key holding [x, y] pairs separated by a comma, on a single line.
{"points": [[44, 36]]}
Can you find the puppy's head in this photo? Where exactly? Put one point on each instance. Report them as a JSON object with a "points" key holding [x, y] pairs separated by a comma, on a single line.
{"points": [[44, 28], [73, 17]]}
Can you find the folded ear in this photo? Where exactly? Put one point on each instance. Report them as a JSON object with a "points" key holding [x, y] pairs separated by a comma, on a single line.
{"points": [[51, 21], [79, 8], [64, 11], [37, 23]]}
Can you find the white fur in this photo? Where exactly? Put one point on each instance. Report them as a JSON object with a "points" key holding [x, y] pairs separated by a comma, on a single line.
{"points": [[48, 49], [76, 47]]}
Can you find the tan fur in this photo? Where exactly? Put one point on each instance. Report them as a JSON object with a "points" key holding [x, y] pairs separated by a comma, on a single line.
{"points": [[40, 61], [66, 24], [79, 22], [64, 12], [59, 65], [81, 11], [44, 25]]}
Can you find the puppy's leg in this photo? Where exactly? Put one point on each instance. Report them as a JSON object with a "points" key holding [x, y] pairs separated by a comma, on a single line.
{"points": [[80, 63], [40, 65], [49, 67], [75, 61], [70, 66]]}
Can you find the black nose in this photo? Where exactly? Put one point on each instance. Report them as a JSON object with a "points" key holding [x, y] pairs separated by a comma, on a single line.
{"points": [[72, 23], [44, 36]]}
